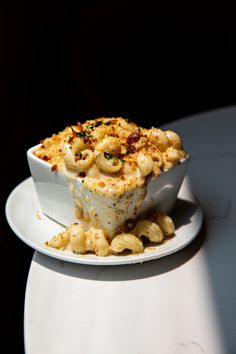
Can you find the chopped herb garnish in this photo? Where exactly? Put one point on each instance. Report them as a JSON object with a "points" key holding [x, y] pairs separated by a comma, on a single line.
{"points": [[109, 156], [81, 134], [97, 124], [102, 123], [127, 149]]}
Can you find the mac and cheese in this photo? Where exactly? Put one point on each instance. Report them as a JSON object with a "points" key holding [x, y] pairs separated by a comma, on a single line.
{"points": [[109, 161]]}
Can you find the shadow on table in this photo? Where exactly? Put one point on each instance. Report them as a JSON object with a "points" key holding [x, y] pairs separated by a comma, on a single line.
{"points": [[183, 211], [132, 271]]}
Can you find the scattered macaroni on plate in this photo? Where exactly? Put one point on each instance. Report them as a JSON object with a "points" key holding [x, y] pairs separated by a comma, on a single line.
{"points": [[79, 240]]}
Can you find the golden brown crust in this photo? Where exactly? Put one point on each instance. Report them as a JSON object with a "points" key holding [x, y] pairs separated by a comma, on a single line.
{"points": [[134, 142]]}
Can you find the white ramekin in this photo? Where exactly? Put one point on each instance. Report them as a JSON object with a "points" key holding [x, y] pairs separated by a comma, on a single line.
{"points": [[57, 202]]}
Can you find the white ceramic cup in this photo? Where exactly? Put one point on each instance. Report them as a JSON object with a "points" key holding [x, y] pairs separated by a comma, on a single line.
{"points": [[56, 200]]}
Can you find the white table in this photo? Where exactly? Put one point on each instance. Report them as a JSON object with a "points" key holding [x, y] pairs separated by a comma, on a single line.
{"points": [[183, 303]]}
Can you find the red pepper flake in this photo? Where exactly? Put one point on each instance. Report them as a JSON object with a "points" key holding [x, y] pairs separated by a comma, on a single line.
{"points": [[133, 138], [46, 158], [54, 168], [82, 174], [86, 140], [131, 149], [71, 138]]}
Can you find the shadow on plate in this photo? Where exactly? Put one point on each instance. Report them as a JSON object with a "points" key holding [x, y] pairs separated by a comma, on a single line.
{"points": [[183, 211]]}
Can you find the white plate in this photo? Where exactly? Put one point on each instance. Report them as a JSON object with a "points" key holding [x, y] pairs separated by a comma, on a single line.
{"points": [[34, 228]]}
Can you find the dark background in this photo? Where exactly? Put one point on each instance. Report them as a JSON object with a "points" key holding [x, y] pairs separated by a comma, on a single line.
{"points": [[152, 62]]}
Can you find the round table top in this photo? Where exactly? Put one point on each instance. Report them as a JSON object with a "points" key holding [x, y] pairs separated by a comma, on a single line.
{"points": [[182, 303]]}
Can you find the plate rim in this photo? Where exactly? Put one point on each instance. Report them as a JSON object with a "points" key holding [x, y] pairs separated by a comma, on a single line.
{"points": [[90, 259]]}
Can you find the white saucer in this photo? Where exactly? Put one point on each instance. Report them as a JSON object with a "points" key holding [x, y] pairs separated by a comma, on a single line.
{"points": [[34, 228]]}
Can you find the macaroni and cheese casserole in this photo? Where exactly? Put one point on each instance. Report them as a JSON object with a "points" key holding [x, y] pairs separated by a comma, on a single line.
{"points": [[108, 163]]}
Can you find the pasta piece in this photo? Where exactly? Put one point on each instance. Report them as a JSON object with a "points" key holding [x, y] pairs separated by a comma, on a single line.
{"points": [[123, 128], [159, 138], [172, 155], [68, 157], [108, 164], [76, 159], [166, 223], [97, 242], [157, 157], [101, 132], [129, 168], [107, 151], [156, 170], [77, 238], [162, 141], [182, 154], [131, 127], [78, 145], [167, 165], [145, 164], [93, 171], [125, 241], [84, 160], [174, 139], [109, 144], [59, 241], [148, 229], [140, 144]]}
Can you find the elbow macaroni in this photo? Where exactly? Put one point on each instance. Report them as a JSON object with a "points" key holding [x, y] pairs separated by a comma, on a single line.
{"points": [[165, 222], [97, 242], [77, 159], [106, 152], [145, 164], [75, 238], [149, 229], [126, 241]]}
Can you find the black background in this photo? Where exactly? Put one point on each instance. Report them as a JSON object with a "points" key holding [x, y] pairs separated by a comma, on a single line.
{"points": [[152, 62]]}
